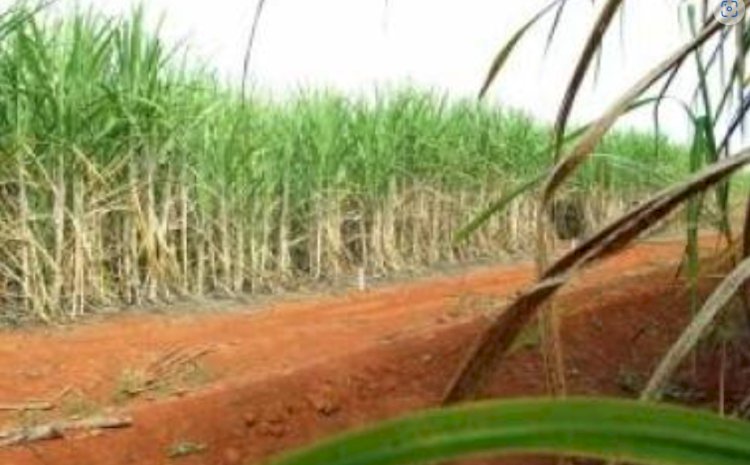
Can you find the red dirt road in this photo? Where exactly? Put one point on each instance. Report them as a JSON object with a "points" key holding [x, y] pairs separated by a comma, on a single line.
{"points": [[282, 376]]}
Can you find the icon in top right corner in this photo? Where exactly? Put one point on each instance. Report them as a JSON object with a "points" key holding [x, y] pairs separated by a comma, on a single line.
{"points": [[730, 12]]}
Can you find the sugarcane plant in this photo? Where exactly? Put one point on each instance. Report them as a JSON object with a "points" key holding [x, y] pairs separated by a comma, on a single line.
{"points": [[629, 431], [130, 174], [711, 161]]}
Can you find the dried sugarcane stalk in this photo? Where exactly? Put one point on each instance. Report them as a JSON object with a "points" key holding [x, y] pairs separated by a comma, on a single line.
{"points": [[58, 429], [27, 406]]}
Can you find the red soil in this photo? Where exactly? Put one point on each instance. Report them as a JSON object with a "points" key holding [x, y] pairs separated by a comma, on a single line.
{"points": [[287, 374]]}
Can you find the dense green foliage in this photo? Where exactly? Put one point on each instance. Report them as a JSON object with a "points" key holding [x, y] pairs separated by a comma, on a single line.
{"points": [[128, 177]]}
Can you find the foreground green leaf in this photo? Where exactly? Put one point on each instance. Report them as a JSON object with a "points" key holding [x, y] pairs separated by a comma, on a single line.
{"points": [[606, 429]]}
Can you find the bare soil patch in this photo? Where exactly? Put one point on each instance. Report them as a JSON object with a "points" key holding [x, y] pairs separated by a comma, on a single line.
{"points": [[235, 388]]}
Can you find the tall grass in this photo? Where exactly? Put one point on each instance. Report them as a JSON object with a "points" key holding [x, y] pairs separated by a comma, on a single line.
{"points": [[128, 177]]}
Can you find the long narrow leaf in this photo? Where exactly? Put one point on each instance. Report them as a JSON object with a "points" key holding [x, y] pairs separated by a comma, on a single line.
{"points": [[503, 202], [697, 328], [506, 51], [497, 206], [604, 429], [589, 141], [593, 44], [251, 44], [555, 24], [495, 340]]}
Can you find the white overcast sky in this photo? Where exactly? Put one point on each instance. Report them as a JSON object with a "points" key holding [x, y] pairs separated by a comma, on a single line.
{"points": [[356, 45]]}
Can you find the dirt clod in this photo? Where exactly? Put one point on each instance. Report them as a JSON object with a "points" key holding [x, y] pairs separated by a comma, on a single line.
{"points": [[250, 419]]}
